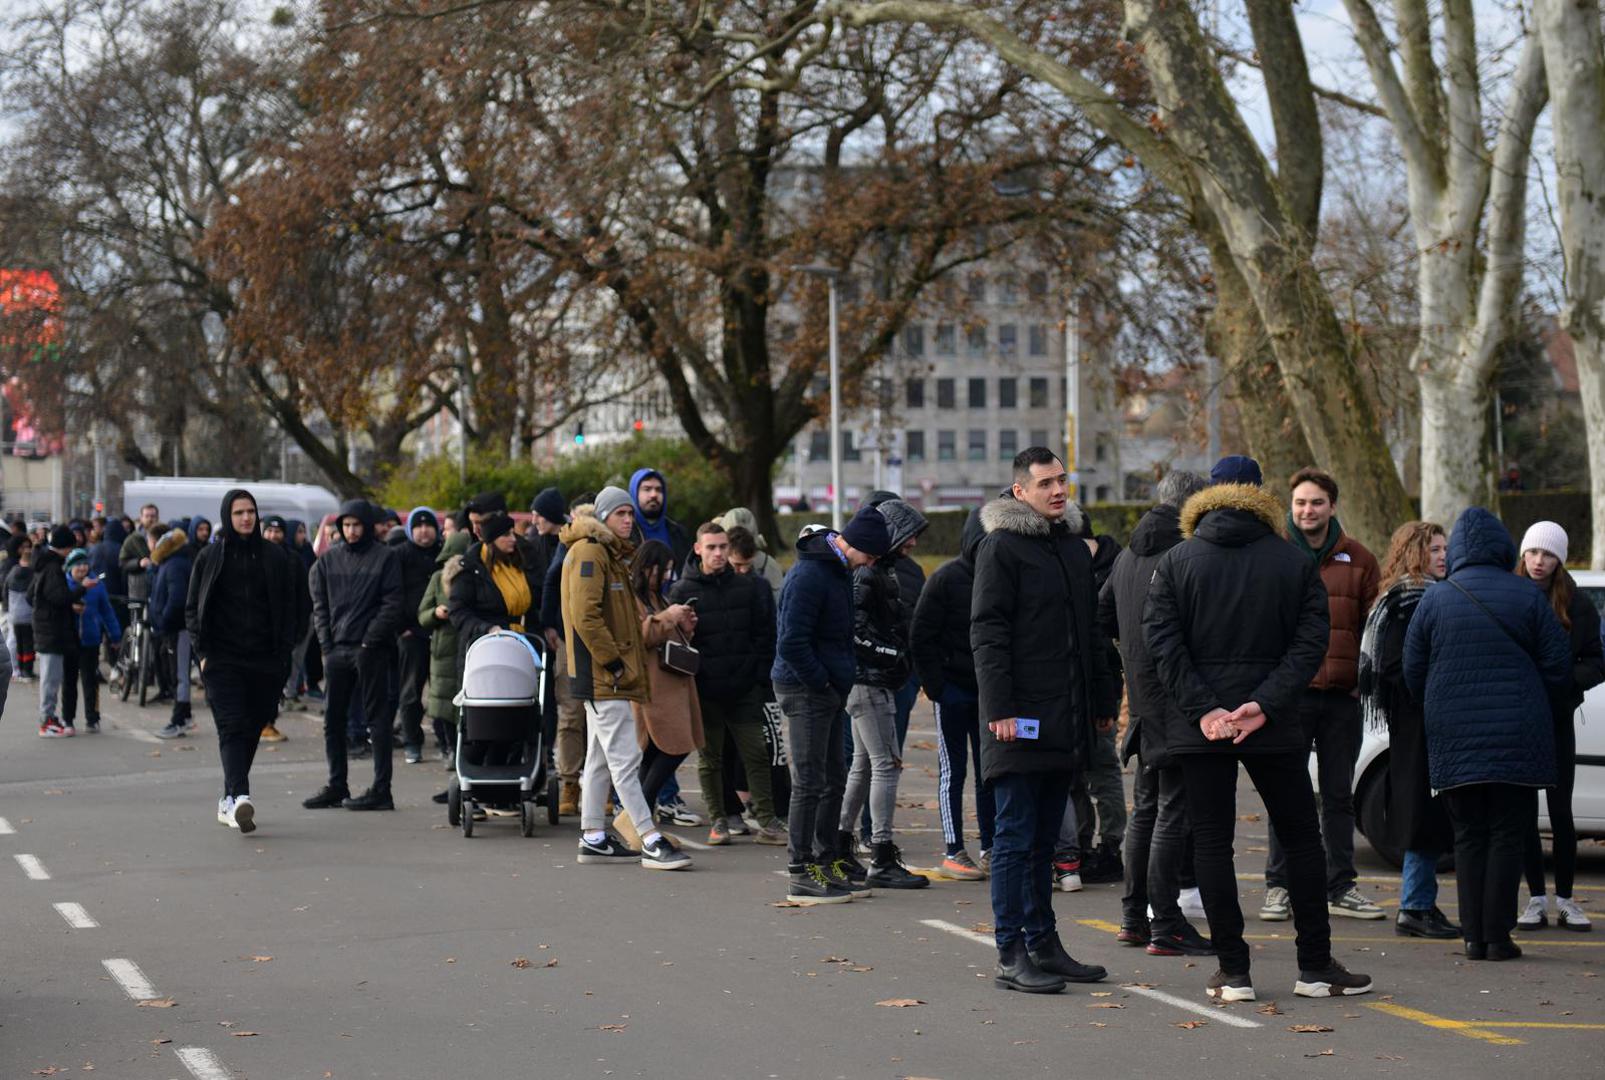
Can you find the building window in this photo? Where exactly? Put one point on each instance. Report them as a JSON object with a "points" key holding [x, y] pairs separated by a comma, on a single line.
{"points": [[1008, 388], [975, 340], [944, 394], [1037, 285], [1039, 437], [818, 445], [975, 288], [916, 394], [946, 339], [1039, 339], [1008, 339], [977, 393], [1008, 444], [1039, 393], [1009, 289], [914, 444], [946, 446], [977, 446], [849, 450], [1101, 450], [1101, 494], [914, 339]]}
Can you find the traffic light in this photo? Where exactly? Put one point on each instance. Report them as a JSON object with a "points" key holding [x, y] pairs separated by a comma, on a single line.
{"points": [[640, 425], [579, 434]]}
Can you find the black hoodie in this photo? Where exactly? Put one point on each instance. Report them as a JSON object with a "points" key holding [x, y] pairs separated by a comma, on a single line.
{"points": [[941, 637], [1120, 606], [241, 608], [356, 589]]}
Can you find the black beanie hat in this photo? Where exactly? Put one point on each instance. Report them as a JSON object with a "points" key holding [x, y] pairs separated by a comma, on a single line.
{"points": [[868, 533], [549, 504], [62, 537], [495, 525]]}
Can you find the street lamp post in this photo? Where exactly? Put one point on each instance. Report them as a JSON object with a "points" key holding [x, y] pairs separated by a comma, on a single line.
{"points": [[830, 274]]}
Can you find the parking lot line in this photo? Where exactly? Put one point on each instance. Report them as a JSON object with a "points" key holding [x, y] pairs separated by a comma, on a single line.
{"points": [[1537, 943], [1443, 1023]]}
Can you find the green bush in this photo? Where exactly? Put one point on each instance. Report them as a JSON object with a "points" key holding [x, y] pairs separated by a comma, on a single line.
{"points": [[697, 491], [947, 525]]}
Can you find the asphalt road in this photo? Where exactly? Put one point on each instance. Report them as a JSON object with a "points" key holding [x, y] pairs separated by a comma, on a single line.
{"points": [[335, 945]]}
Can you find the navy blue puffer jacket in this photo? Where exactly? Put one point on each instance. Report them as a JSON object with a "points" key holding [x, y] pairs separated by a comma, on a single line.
{"points": [[814, 626], [1486, 686]]}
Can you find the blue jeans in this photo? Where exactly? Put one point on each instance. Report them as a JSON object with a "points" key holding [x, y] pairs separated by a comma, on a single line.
{"points": [[1420, 891], [1030, 807]]}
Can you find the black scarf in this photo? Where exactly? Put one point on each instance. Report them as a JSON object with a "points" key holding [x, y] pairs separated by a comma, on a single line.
{"points": [[1399, 602]]}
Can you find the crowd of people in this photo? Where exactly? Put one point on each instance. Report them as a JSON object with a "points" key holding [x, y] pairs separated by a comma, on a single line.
{"points": [[1242, 631]]}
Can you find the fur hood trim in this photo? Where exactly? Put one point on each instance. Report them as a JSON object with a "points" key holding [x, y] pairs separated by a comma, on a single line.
{"points": [[449, 572], [584, 526], [172, 541], [1256, 500], [1008, 514]]}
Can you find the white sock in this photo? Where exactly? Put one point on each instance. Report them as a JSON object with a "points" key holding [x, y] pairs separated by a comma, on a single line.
{"points": [[595, 836], [651, 838]]}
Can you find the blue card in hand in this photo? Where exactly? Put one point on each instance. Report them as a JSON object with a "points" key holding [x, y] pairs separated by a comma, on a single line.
{"points": [[1026, 729]]}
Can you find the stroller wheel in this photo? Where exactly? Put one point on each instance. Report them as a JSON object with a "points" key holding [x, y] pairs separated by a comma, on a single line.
{"points": [[554, 792], [526, 819], [454, 803], [468, 820]]}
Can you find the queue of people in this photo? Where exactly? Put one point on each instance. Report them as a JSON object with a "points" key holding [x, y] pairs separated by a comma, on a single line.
{"points": [[1241, 626]]}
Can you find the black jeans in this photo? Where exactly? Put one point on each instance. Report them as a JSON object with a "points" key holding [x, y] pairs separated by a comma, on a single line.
{"points": [[656, 768], [351, 671], [818, 768], [80, 666], [1562, 827], [1030, 809], [414, 673], [1156, 842], [243, 701], [1332, 717], [1491, 824], [1284, 787]]}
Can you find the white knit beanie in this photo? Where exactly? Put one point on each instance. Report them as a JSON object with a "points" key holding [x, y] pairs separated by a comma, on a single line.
{"points": [[1545, 536]]}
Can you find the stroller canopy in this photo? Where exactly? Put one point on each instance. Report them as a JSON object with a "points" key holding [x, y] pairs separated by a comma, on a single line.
{"points": [[501, 669]]}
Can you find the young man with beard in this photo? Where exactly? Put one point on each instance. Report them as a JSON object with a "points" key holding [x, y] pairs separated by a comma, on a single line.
{"points": [[241, 612], [356, 607], [1046, 690], [1236, 621]]}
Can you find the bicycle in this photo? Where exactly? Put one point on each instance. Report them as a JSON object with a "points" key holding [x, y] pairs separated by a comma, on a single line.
{"points": [[135, 668]]}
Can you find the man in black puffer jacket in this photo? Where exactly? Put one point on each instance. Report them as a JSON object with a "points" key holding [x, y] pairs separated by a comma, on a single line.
{"points": [[356, 607], [1237, 624], [736, 637], [418, 553], [884, 662], [1042, 669], [1156, 831], [946, 669]]}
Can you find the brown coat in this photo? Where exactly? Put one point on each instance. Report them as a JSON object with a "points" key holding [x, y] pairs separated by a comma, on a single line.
{"points": [[673, 718], [1351, 576]]}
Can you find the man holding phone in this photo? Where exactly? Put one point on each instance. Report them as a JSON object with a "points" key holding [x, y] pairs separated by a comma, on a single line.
{"points": [[1045, 685]]}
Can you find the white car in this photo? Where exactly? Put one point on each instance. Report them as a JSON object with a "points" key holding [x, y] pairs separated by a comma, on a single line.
{"points": [[1588, 797]]}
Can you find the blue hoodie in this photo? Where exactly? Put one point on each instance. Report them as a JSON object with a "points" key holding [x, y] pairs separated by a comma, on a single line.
{"points": [[662, 528], [105, 558]]}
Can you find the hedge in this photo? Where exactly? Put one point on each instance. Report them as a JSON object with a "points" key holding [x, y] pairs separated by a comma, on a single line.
{"points": [[947, 524]]}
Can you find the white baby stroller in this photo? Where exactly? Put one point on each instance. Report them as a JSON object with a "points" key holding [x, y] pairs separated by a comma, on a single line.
{"points": [[501, 761]]}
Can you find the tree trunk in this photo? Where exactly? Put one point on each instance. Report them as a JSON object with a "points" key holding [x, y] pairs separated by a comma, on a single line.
{"points": [[1575, 61], [752, 481], [1454, 446]]}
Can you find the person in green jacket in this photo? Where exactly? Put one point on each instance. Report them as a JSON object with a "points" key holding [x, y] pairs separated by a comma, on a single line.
{"points": [[444, 681]]}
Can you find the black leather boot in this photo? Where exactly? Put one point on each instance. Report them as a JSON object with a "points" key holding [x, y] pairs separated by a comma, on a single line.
{"points": [[1017, 972], [1051, 957]]}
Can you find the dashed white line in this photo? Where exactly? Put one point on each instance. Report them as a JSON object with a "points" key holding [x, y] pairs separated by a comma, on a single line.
{"points": [[5, 828], [76, 916], [202, 1063], [32, 867], [1216, 1014], [131, 979]]}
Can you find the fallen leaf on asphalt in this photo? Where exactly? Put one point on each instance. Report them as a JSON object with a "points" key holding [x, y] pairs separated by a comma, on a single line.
{"points": [[152, 753], [553, 962], [243, 1034], [1106, 1005], [785, 903], [1141, 986], [611, 1027], [157, 1003], [900, 1003], [1323, 1053], [54, 791], [1309, 1029], [1269, 1009], [1191, 1024], [49, 1070], [182, 747], [260, 959], [835, 960], [451, 959], [859, 968], [160, 1042], [983, 928], [923, 744], [521, 962], [1097, 1023], [1103, 993]]}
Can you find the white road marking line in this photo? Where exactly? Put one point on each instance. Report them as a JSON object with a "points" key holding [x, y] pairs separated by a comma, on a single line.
{"points": [[202, 1063], [5, 828], [131, 979], [1210, 1011], [32, 867], [76, 916], [138, 735]]}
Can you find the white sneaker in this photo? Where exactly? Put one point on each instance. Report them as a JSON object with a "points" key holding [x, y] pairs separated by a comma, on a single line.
{"points": [[1569, 915], [1536, 915], [225, 812], [244, 818], [1278, 906], [1192, 903]]}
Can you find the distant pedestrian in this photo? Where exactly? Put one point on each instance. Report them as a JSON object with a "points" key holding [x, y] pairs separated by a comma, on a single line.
{"points": [[19, 609], [172, 561], [418, 557], [55, 628], [97, 622], [668, 724]]}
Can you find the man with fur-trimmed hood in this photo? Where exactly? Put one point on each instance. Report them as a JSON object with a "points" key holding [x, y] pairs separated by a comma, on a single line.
{"points": [[1042, 671], [1236, 622]]}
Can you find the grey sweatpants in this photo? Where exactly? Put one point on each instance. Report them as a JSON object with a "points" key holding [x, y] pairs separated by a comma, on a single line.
{"points": [[52, 669], [874, 772]]}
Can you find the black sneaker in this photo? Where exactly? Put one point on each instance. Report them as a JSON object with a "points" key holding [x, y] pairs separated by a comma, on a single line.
{"points": [[1335, 980], [1189, 942], [1103, 867], [440, 797], [327, 798], [371, 800], [813, 884], [1224, 987], [888, 872], [660, 854], [849, 874], [92, 727], [1135, 934], [608, 850], [1421, 924]]}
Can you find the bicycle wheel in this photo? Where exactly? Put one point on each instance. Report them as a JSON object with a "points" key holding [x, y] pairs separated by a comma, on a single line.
{"points": [[125, 665], [147, 661]]}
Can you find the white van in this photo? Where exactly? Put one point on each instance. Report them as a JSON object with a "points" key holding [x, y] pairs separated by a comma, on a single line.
{"points": [[188, 496], [1588, 797]]}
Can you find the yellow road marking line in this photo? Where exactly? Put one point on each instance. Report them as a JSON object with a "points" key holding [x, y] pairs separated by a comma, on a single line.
{"points": [[1441, 1023]]}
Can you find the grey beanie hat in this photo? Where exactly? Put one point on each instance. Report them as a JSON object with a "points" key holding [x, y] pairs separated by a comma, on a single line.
{"points": [[610, 499]]}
